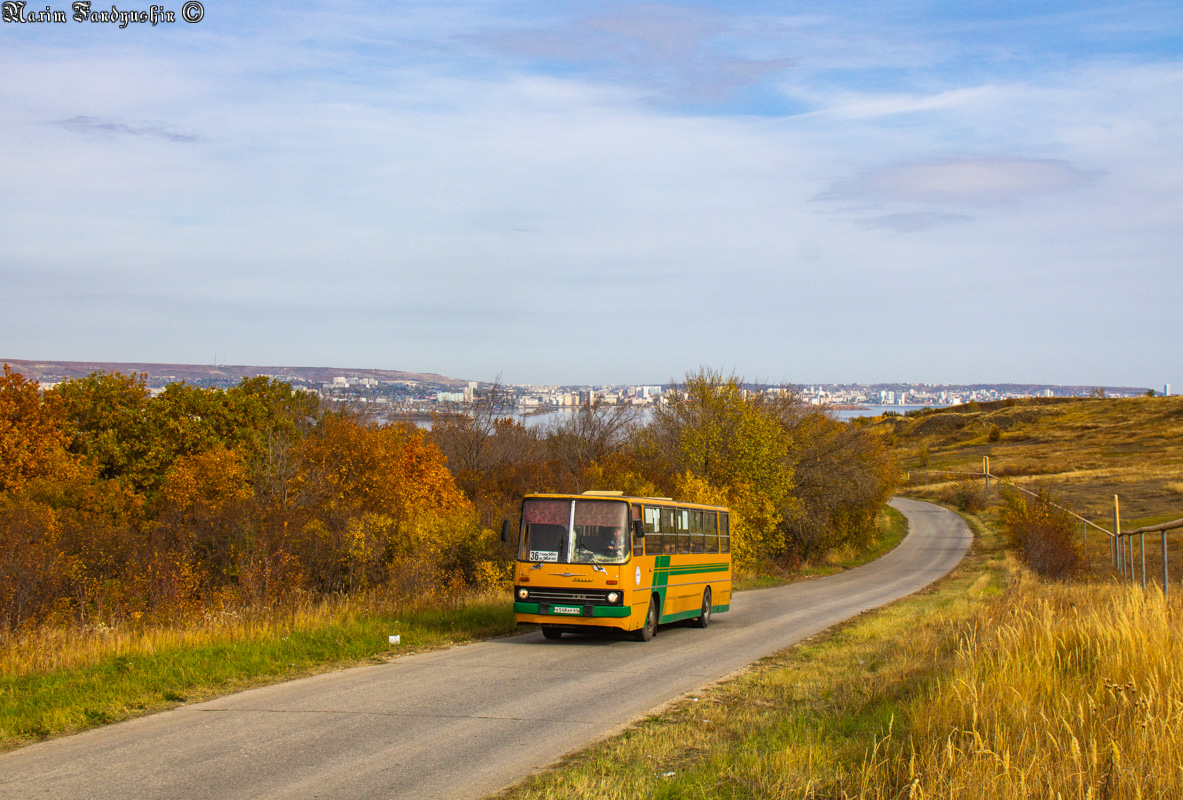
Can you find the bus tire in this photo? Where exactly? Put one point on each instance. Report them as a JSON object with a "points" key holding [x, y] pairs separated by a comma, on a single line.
{"points": [[551, 633], [650, 627], [704, 619]]}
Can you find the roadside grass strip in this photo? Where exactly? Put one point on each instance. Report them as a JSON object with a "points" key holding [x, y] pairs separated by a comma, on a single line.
{"points": [[131, 672], [989, 684]]}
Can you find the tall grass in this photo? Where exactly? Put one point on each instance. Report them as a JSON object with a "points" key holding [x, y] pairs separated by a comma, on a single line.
{"points": [[1058, 691]]}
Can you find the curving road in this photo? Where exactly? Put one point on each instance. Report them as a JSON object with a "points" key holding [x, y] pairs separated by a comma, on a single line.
{"points": [[461, 722]]}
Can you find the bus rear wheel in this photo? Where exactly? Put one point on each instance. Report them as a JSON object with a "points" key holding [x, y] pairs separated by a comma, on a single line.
{"points": [[650, 627], [704, 618], [551, 633]]}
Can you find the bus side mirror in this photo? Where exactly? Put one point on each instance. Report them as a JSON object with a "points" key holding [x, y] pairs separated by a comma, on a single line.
{"points": [[638, 529], [505, 530]]}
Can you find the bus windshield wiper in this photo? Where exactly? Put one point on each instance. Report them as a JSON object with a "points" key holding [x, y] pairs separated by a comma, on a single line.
{"points": [[588, 550]]}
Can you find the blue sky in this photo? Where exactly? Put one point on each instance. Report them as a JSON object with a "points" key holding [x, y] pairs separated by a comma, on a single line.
{"points": [[603, 192]]}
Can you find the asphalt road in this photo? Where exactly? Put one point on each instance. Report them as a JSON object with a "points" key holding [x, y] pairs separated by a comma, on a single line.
{"points": [[462, 722]]}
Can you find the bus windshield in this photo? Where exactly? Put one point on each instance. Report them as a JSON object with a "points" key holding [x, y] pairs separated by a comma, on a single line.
{"points": [[574, 531]]}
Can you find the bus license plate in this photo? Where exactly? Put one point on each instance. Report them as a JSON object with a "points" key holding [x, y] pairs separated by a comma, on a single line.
{"points": [[566, 610]]}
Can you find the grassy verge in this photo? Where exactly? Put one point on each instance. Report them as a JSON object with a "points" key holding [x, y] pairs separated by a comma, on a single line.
{"points": [[893, 527], [55, 682]]}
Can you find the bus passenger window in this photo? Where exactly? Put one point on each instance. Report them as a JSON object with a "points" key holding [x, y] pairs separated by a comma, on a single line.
{"points": [[696, 538], [669, 535], [710, 531], [682, 523], [724, 533], [652, 531]]}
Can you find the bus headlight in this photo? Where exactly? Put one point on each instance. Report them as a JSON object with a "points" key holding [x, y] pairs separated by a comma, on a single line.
{"points": [[613, 597], [523, 593]]}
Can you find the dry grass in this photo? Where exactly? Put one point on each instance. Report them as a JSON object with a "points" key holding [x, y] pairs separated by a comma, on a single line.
{"points": [[48, 649], [1059, 691]]}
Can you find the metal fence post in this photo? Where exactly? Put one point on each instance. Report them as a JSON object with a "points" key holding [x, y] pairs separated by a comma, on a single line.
{"points": [[986, 470], [1142, 537], [1164, 563]]}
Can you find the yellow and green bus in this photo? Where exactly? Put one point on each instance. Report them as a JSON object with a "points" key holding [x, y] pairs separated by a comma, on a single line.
{"points": [[603, 560]]}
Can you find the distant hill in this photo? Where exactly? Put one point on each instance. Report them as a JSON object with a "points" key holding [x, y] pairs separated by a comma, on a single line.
{"points": [[1085, 450], [210, 375]]}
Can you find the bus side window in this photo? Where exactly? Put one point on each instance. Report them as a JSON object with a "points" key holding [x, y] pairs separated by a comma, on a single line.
{"points": [[669, 537], [724, 533], [638, 544], [696, 540], [652, 530], [682, 520], [710, 523]]}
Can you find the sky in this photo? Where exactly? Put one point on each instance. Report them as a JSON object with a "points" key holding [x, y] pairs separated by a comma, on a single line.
{"points": [[602, 192]]}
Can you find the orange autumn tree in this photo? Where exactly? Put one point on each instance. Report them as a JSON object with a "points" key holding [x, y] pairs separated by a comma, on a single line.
{"points": [[389, 469], [387, 505], [32, 442]]}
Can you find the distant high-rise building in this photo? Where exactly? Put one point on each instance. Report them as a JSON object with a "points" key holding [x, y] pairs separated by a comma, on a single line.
{"points": [[1166, 390]]}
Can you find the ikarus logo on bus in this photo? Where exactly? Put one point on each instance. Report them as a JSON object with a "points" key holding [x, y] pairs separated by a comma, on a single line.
{"points": [[638, 576]]}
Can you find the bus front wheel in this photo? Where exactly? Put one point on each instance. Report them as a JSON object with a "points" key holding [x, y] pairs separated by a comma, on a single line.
{"points": [[704, 618], [551, 633], [650, 627]]}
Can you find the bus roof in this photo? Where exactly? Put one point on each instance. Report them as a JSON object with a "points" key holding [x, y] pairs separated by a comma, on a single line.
{"points": [[655, 501]]}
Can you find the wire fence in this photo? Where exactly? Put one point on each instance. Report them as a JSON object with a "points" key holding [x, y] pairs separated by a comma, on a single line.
{"points": [[1121, 542]]}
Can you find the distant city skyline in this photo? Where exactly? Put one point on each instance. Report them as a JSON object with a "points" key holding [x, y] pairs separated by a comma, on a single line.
{"points": [[444, 388], [599, 191]]}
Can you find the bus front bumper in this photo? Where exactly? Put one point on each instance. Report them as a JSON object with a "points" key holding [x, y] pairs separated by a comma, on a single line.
{"points": [[558, 612]]}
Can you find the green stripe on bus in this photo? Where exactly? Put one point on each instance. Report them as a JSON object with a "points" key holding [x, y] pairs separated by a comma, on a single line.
{"points": [[694, 570], [694, 613], [660, 576]]}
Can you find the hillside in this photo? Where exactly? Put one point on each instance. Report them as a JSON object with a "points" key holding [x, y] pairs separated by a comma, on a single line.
{"points": [[214, 375], [1084, 450]]}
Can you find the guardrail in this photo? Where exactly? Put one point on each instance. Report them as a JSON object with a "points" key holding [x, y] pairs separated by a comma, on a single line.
{"points": [[1121, 542]]}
